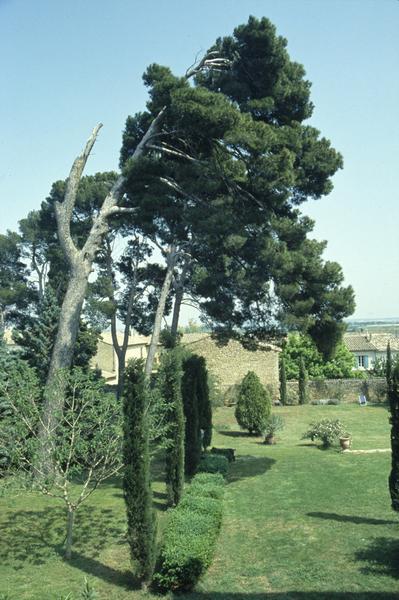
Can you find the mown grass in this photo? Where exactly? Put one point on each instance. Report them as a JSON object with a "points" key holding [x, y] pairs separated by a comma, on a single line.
{"points": [[299, 523]]}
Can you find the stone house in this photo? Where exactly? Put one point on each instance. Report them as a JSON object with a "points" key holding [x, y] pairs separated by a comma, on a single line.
{"points": [[369, 347], [228, 364]]}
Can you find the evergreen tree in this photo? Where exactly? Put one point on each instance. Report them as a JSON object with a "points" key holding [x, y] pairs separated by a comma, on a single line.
{"points": [[141, 524], [205, 407], [283, 382], [302, 382], [38, 336], [170, 382], [393, 397], [253, 404], [192, 438], [388, 367]]}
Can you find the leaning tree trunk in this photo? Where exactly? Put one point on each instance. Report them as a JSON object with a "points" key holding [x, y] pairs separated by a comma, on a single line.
{"points": [[179, 293], [171, 261]]}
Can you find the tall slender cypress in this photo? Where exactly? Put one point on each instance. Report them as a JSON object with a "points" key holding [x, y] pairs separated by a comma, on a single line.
{"points": [[393, 397], [302, 382], [170, 386], [283, 382], [388, 366], [205, 407], [141, 525], [193, 442]]}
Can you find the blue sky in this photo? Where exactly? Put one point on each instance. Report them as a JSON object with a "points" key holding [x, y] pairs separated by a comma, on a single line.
{"points": [[67, 65]]}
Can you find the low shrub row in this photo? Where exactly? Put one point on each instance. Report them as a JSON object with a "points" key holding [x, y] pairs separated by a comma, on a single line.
{"points": [[192, 530]]}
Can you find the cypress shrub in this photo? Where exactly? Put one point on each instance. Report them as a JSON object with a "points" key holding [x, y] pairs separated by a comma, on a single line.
{"points": [[393, 397], [205, 407], [190, 392], [170, 385], [302, 383], [141, 526], [283, 382], [253, 404], [190, 535]]}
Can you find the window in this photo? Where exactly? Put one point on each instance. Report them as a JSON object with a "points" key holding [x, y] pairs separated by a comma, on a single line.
{"points": [[363, 361]]}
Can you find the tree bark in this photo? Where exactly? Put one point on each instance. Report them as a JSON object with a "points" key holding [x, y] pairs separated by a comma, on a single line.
{"points": [[69, 538], [171, 262], [178, 299]]}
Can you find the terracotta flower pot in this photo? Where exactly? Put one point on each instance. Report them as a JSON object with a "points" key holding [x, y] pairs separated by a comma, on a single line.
{"points": [[270, 439], [345, 443]]}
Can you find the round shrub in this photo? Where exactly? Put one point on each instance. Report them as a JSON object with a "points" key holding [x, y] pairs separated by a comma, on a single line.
{"points": [[253, 404]]}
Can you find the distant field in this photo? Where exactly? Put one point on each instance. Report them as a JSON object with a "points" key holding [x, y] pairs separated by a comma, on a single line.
{"points": [[300, 523]]}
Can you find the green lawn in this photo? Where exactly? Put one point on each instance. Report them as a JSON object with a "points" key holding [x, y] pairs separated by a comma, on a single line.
{"points": [[299, 523]]}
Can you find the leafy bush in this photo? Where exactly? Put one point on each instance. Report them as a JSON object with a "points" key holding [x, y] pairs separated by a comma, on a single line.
{"points": [[326, 430], [213, 463], [191, 534], [253, 405]]}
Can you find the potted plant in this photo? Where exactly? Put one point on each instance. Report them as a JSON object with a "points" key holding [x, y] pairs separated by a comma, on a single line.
{"points": [[345, 441], [273, 424], [328, 431]]}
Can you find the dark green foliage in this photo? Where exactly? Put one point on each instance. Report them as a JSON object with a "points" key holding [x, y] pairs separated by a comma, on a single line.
{"points": [[191, 535], [38, 336], [283, 382], [229, 453], [393, 398], [136, 480], [388, 366], [253, 404], [170, 384], [213, 463], [197, 411], [302, 383]]}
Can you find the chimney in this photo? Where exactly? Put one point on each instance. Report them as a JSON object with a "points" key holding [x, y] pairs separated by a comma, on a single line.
{"points": [[368, 336]]}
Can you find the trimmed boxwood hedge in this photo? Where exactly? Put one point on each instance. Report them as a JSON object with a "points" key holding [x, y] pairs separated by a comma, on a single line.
{"points": [[191, 534]]}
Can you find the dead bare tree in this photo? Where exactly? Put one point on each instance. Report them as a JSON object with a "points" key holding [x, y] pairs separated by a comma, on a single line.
{"points": [[80, 260]]}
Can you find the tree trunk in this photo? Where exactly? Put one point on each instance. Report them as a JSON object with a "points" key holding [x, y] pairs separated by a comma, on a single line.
{"points": [[171, 261], [176, 311], [53, 396], [68, 543], [179, 298]]}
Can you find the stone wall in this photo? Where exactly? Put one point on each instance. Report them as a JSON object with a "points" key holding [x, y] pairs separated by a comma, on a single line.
{"points": [[345, 390], [228, 364]]}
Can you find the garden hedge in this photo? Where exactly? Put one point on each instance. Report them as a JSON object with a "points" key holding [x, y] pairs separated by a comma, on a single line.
{"points": [[191, 534]]}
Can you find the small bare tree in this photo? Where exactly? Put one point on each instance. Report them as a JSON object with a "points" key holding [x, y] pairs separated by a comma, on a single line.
{"points": [[84, 443]]}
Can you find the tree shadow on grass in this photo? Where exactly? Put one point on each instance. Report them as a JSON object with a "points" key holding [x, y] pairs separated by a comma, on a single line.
{"points": [[91, 566], [292, 595], [33, 537], [351, 519], [240, 434], [382, 557], [249, 466]]}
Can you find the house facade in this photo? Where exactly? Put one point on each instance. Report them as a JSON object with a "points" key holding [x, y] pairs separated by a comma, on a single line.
{"points": [[368, 348]]}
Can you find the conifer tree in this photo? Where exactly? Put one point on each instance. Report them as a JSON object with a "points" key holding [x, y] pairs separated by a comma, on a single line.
{"points": [[302, 382], [393, 396], [136, 481], [283, 382], [38, 336], [191, 404], [170, 383], [205, 405], [388, 367], [253, 404]]}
